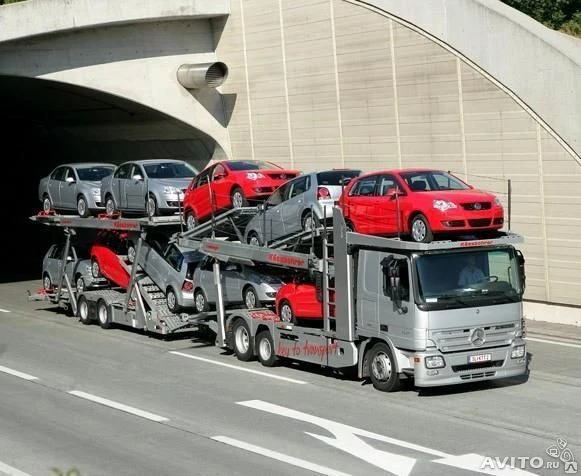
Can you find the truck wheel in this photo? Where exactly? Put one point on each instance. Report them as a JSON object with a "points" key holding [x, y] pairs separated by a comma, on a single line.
{"points": [[286, 313], [104, 314], [265, 349], [82, 207], [420, 229], [200, 301], [83, 310], [242, 341], [250, 298], [382, 368]]}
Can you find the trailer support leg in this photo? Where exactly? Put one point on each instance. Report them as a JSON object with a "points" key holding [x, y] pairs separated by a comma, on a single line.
{"points": [[220, 305]]}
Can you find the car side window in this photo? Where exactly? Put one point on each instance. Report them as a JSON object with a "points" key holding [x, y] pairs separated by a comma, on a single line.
{"points": [[206, 264], [136, 170], [298, 187], [218, 171], [201, 179], [174, 257], [123, 171], [387, 185], [58, 174], [69, 172], [56, 252], [364, 187]]}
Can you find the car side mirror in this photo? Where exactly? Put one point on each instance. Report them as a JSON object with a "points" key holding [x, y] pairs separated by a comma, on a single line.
{"points": [[137, 177], [219, 176], [70, 180]]}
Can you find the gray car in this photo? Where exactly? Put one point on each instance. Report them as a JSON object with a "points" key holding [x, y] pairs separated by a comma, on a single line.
{"points": [[241, 284], [299, 204], [78, 268], [74, 187], [155, 187], [171, 267]]}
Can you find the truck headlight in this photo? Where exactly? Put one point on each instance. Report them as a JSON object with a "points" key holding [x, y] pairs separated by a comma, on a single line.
{"points": [[443, 205], [518, 352], [435, 362]]}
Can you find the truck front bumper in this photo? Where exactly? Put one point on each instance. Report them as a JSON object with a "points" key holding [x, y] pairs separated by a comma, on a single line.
{"points": [[470, 366]]}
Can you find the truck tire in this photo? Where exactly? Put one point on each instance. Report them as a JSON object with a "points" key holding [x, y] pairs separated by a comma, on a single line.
{"points": [[243, 347], [265, 349], [83, 310], [382, 368], [104, 314]]}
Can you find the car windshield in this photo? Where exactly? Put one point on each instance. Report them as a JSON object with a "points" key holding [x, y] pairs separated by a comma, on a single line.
{"points": [[239, 165], [169, 170], [94, 174], [427, 181], [337, 177], [468, 278]]}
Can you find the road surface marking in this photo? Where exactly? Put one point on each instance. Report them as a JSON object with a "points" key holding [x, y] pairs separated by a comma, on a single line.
{"points": [[230, 366], [18, 374], [10, 471], [301, 463], [349, 439], [4, 310], [564, 344], [118, 406]]}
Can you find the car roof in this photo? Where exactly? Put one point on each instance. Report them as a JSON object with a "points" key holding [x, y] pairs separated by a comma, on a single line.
{"points": [[400, 171], [86, 164], [153, 161]]}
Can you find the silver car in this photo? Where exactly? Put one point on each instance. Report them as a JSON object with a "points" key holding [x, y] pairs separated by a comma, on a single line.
{"points": [[74, 187], [78, 268], [171, 267], [155, 187], [299, 204], [240, 284]]}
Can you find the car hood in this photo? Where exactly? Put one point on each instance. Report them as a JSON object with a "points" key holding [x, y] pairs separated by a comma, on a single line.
{"points": [[457, 196], [94, 184]]}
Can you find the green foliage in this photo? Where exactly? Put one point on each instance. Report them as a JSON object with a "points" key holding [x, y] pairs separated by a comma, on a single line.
{"points": [[2, 2], [564, 15]]}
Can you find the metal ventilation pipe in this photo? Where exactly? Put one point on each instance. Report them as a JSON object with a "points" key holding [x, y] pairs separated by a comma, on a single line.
{"points": [[206, 75]]}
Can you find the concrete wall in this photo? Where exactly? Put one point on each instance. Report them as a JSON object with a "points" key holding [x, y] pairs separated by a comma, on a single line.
{"points": [[330, 83]]}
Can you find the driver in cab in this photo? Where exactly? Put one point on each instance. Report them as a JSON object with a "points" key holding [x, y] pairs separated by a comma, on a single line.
{"points": [[471, 274]]}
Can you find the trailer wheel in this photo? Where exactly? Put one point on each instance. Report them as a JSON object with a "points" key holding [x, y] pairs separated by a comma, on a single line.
{"points": [[243, 347], [382, 369], [265, 349], [104, 314], [46, 282], [250, 298], [83, 310]]}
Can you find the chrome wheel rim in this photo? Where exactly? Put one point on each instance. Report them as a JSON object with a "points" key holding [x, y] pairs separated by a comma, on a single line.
{"points": [[171, 300], [250, 299], [237, 200], [190, 221], [418, 230], [103, 314], [131, 254], [110, 206], [309, 223], [151, 206], [83, 310], [82, 206], [242, 339], [46, 283], [46, 205], [80, 285], [200, 302], [381, 366], [286, 313], [265, 349], [95, 270], [254, 241]]}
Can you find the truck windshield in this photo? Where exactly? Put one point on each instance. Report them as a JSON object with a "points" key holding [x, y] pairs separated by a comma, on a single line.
{"points": [[468, 278]]}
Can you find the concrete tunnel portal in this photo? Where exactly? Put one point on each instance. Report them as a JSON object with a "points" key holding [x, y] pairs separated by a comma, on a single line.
{"points": [[45, 123]]}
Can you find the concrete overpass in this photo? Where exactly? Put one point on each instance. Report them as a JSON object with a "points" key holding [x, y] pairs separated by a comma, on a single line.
{"points": [[471, 86]]}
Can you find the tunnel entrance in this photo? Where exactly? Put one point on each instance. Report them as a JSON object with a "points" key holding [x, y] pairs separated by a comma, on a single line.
{"points": [[46, 123]]}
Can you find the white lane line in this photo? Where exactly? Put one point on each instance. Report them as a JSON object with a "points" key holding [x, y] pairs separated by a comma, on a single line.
{"points": [[18, 374], [230, 366], [554, 342], [4, 310], [10, 471], [301, 463], [118, 406]]}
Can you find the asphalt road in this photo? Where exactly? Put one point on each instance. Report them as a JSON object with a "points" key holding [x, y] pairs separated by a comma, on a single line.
{"points": [[120, 402]]}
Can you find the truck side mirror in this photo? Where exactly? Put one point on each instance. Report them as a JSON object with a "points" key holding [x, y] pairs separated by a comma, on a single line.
{"points": [[521, 267]]}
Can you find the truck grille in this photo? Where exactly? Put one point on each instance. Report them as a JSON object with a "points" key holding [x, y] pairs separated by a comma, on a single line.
{"points": [[479, 365], [458, 340], [478, 375]]}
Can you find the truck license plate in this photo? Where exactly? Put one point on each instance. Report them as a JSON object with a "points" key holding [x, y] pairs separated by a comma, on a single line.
{"points": [[474, 359]]}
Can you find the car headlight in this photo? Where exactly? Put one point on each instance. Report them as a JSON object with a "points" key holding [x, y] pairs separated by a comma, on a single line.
{"points": [[497, 202], [518, 352], [169, 190], [96, 192], [254, 175], [435, 362], [443, 205]]}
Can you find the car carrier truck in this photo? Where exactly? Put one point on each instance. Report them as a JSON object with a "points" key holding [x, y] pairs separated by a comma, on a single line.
{"points": [[391, 308]]}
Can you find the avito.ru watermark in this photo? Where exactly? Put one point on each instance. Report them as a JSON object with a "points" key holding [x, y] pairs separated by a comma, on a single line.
{"points": [[560, 457]]}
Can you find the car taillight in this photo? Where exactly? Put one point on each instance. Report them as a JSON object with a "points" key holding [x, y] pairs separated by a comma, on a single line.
{"points": [[187, 286], [323, 193]]}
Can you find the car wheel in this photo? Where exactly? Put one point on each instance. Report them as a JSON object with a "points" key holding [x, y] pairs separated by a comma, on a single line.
{"points": [[238, 199], [104, 314], [110, 207], [420, 229], [152, 209], [95, 268], [309, 221], [191, 221], [83, 310], [253, 239], [46, 282], [172, 301], [286, 313], [265, 349], [243, 347], [250, 298], [46, 204], [131, 253], [349, 227], [382, 369], [200, 301], [79, 283], [82, 208]]}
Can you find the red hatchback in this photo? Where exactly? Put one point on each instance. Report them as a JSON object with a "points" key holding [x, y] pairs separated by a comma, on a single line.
{"points": [[107, 253], [231, 184], [300, 300], [429, 202]]}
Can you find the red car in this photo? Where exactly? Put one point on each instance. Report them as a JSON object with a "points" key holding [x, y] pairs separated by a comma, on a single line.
{"points": [[231, 184], [429, 202], [106, 257], [299, 300]]}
